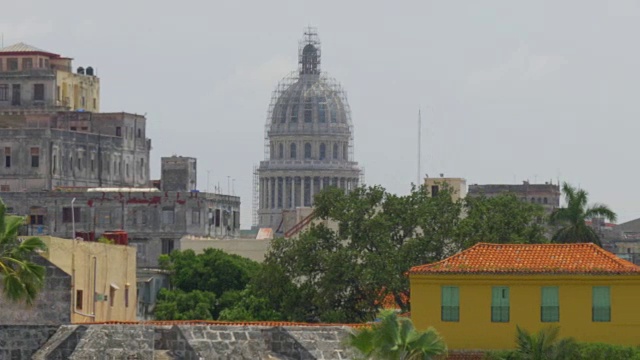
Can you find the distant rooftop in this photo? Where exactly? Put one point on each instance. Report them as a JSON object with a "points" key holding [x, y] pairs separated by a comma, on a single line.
{"points": [[24, 48], [484, 258]]}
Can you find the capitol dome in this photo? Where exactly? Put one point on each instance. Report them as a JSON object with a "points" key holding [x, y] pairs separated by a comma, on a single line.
{"points": [[308, 140]]}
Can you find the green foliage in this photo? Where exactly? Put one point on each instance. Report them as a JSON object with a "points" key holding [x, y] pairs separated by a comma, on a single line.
{"points": [[246, 306], [21, 278], [572, 218], [104, 240], [395, 338], [544, 345], [342, 275], [180, 305], [599, 351], [207, 284], [500, 220]]}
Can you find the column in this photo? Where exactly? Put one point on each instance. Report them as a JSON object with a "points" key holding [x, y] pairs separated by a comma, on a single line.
{"points": [[293, 192], [312, 189], [302, 191], [322, 183], [285, 193], [261, 190]]}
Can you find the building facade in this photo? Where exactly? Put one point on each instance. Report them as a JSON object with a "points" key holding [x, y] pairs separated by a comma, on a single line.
{"points": [[476, 298], [547, 194], [80, 149], [308, 140], [178, 173], [35, 80], [457, 186]]}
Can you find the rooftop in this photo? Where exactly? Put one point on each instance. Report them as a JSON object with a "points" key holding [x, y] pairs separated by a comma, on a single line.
{"points": [[483, 258], [24, 48]]}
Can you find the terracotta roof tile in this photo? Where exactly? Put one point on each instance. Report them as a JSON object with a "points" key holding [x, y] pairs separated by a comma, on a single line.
{"points": [[531, 258], [224, 323]]}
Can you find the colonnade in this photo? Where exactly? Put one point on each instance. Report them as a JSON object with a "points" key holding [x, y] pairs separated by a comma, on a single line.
{"points": [[286, 192]]}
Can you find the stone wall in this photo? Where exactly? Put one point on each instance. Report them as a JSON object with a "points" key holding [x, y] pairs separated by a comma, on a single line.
{"points": [[21, 341], [52, 305], [197, 342]]}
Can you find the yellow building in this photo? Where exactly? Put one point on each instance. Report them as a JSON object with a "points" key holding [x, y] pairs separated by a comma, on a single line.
{"points": [[35, 79], [476, 298], [103, 278], [458, 186]]}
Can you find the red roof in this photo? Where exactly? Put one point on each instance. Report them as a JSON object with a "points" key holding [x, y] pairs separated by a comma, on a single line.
{"points": [[484, 258]]}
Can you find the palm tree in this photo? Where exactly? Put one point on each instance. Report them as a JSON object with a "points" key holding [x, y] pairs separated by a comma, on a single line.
{"points": [[572, 218], [395, 338], [544, 345], [21, 278]]}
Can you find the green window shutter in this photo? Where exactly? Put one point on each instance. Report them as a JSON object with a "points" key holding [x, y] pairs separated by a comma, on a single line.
{"points": [[500, 304], [450, 303], [550, 308], [601, 311]]}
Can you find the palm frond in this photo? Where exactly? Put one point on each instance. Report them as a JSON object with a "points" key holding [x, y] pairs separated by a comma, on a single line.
{"points": [[601, 210]]}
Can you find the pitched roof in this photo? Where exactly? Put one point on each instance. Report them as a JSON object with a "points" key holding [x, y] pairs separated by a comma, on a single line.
{"points": [[23, 48], [484, 258]]}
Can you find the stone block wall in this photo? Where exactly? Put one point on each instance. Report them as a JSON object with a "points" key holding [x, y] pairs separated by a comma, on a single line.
{"points": [[21, 341]]}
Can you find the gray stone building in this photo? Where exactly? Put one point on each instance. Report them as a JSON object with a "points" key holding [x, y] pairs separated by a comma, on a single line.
{"points": [[308, 140], [547, 194], [178, 173], [73, 149], [154, 220]]}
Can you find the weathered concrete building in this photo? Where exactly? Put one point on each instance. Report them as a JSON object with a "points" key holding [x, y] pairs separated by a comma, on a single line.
{"points": [[78, 149], [457, 186], [154, 220], [547, 194], [308, 140], [35, 80], [178, 173]]}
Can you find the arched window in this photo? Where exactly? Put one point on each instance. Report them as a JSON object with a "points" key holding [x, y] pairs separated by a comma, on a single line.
{"points": [[293, 151], [281, 151], [345, 152], [307, 151], [283, 113], [294, 113], [334, 113], [335, 151], [323, 151], [322, 112], [308, 112], [544, 200], [533, 200]]}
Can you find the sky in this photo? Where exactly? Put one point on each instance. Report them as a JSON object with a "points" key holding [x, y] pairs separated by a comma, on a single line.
{"points": [[535, 90]]}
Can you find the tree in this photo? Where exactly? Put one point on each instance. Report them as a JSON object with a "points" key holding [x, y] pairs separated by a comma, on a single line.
{"points": [[203, 284], [395, 338], [572, 218], [345, 272], [501, 219], [21, 278], [544, 345]]}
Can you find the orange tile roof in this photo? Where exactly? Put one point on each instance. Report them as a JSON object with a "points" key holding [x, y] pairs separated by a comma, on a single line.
{"points": [[223, 323], [530, 258]]}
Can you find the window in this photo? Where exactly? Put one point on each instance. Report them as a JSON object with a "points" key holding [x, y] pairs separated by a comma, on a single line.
{"points": [[118, 131], [335, 151], [83, 101], [308, 112], [112, 295], [92, 162], [333, 113], [195, 217], [294, 113], [293, 151], [322, 112], [4, 92], [139, 130], [307, 151], [27, 63], [345, 152], [450, 303], [544, 200], [94, 104], [40, 62], [36, 219], [167, 246], [601, 311], [434, 190], [38, 92], [167, 216], [12, 64], [7, 157], [281, 151], [283, 113], [126, 296], [16, 91], [35, 157], [550, 305], [323, 151], [79, 163], [67, 216], [500, 304], [79, 298], [5, 188]]}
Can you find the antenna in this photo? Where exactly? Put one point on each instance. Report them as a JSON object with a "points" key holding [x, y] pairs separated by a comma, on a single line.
{"points": [[419, 144]]}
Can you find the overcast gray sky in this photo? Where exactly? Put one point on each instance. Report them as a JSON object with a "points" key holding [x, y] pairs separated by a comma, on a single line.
{"points": [[509, 90]]}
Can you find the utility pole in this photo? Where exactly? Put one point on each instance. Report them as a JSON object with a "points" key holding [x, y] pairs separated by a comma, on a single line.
{"points": [[419, 144]]}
